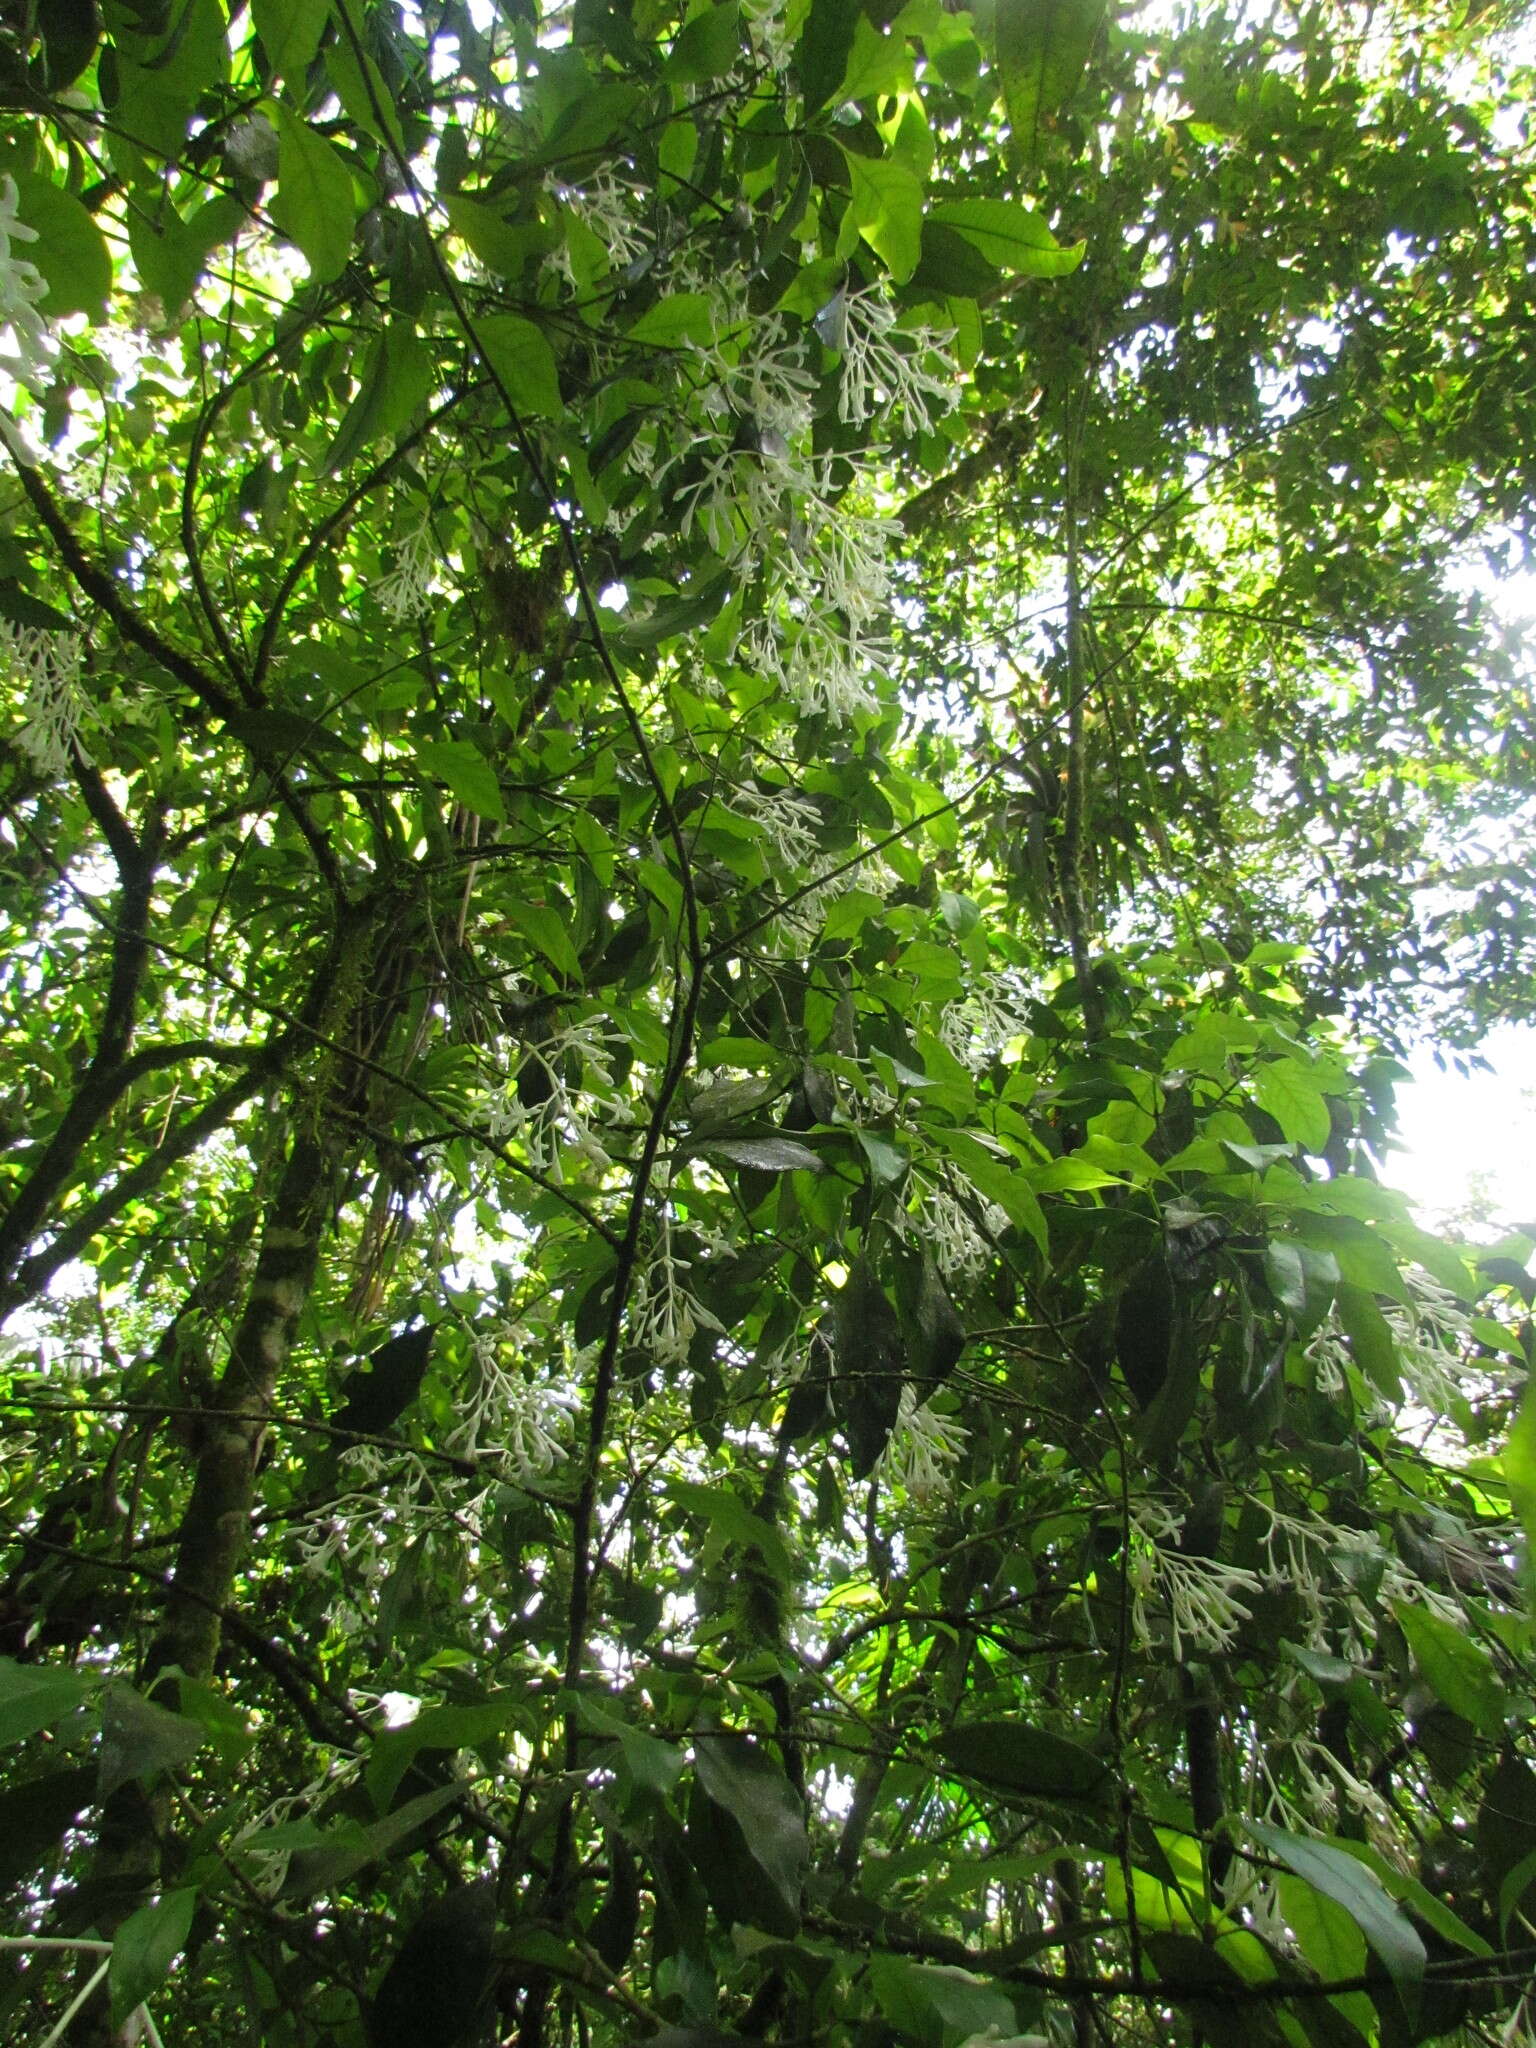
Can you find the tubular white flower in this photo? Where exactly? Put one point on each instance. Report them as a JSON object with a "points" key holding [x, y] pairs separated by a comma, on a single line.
{"points": [[1433, 1332], [879, 377], [1206, 1600], [961, 1246], [47, 666], [407, 590], [22, 284], [604, 204], [508, 1415], [923, 1449]]}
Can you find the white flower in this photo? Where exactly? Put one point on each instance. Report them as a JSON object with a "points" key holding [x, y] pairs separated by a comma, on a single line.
{"points": [[47, 666], [923, 1449], [1206, 1600], [961, 1246], [558, 1130], [22, 284], [1434, 1334], [409, 587], [770, 34], [789, 822], [978, 1027], [605, 205], [879, 377], [665, 1317], [508, 1416]]}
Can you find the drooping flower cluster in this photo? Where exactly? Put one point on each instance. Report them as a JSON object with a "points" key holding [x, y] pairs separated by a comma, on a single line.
{"points": [[606, 207], [509, 1416], [1205, 1601], [407, 591], [554, 1120], [26, 346], [915, 384], [961, 1242], [923, 1449], [47, 667], [664, 1316], [982, 1023]]}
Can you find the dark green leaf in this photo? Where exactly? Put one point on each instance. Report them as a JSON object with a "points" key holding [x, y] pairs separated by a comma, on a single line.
{"points": [[1338, 1876], [140, 1739], [144, 1948], [34, 1696], [434, 1989], [1014, 1756]]}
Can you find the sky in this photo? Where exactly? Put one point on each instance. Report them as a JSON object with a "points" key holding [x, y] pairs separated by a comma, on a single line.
{"points": [[1469, 1157]]}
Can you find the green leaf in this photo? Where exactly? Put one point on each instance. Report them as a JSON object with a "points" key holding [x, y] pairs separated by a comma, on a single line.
{"points": [[1338, 1876], [744, 1782], [1519, 1468], [766, 1155], [70, 251], [821, 57], [887, 208], [435, 1728], [290, 32], [870, 1364], [653, 1765], [140, 1739], [394, 382], [1286, 1275], [501, 245], [1042, 50], [678, 318], [351, 1846], [726, 1513], [144, 1948], [171, 255], [314, 205], [1008, 234], [36, 1696], [1292, 1097], [937, 2002], [520, 357], [1015, 1756], [996, 1179], [1458, 1668], [550, 932], [707, 47], [469, 777], [1371, 1343]]}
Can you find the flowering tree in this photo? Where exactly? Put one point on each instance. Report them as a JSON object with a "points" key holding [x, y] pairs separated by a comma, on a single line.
{"points": [[723, 727]]}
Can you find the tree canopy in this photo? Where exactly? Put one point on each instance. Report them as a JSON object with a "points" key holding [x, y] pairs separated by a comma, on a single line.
{"points": [[734, 742]]}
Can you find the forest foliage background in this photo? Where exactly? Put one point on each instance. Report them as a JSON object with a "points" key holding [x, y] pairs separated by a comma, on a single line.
{"points": [[736, 740]]}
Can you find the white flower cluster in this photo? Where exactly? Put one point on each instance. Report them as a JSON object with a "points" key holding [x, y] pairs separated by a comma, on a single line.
{"points": [[30, 356], [914, 384], [792, 523], [664, 1317], [411, 584], [789, 822], [507, 1416], [605, 205], [1205, 1600], [47, 666], [923, 1449], [982, 1023], [771, 38], [559, 1130], [1434, 1337], [1306, 1795], [960, 1243]]}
